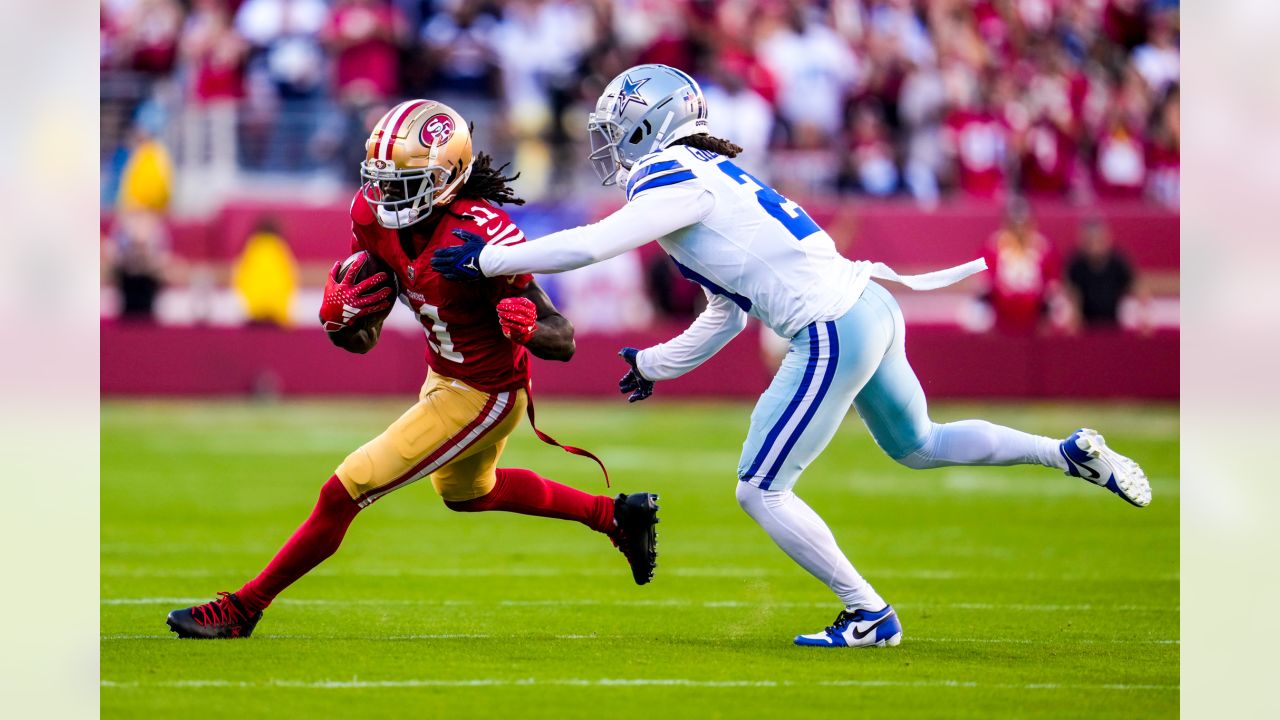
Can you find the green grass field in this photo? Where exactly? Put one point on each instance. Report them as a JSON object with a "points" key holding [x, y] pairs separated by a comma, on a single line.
{"points": [[1022, 593]]}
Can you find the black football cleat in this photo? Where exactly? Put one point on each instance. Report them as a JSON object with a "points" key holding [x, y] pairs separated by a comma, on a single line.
{"points": [[636, 515], [225, 617]]}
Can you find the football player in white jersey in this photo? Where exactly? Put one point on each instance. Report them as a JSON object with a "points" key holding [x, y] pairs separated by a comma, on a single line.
{"points": [[757, 253]]}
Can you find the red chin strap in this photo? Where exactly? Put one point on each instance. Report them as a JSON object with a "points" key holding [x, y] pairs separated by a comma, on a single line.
{"points": [[552, 441]]}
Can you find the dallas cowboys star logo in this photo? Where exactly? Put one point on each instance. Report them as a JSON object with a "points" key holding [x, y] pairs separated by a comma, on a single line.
{"points": [[630, 92]]}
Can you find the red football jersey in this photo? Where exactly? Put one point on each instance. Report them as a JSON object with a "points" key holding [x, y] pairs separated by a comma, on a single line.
{"points": [[464, 339], [1021, 280], [978, 139]]}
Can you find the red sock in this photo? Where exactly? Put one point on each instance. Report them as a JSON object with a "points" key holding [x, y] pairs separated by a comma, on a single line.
{"points": [[315, 540], [525, 492]]}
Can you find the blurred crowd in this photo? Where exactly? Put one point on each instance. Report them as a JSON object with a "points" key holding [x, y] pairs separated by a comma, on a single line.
{"points": [[985, 98]]}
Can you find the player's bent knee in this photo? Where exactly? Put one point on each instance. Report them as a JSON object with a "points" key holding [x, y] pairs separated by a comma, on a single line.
{"points": [[748, 496], [356, 472], [922, 457], [472, 505], [917, 460]]}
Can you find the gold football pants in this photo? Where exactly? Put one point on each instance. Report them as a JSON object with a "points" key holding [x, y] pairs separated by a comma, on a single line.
{"points": [[454, 433]]}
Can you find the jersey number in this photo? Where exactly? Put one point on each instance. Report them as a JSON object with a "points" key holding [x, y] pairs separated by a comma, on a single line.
{"points": [[438, 333], [792, 216]]}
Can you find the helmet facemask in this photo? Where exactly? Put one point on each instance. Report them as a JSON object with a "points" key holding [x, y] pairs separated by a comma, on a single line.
{"points": [[401, 197], [606, 136]]}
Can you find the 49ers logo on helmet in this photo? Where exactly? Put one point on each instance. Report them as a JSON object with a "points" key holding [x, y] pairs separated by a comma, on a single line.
{"points": [[437, 129]]}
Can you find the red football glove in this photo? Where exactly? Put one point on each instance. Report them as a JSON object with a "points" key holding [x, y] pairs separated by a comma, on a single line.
{"points": [[345, 302], [519, 319]]}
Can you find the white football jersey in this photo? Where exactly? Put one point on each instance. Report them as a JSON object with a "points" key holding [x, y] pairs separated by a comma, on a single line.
{"points": [[752, 245]]}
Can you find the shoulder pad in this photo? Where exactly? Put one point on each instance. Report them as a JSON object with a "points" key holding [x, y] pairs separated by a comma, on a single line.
{"points": [[497, 227]]}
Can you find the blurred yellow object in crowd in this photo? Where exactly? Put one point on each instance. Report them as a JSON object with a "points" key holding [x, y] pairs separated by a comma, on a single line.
{"points": [[265, 277], [147, 180]]}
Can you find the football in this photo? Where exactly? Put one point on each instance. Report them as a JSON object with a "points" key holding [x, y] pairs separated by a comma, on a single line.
{"points": [[372, 266]]}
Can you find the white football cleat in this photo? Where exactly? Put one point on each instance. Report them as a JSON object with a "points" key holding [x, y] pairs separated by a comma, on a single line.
{"points": [[1088, 457]]}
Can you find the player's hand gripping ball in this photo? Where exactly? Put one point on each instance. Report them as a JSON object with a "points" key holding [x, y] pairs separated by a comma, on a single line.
{"points": [[358, 289], [519, 319]]}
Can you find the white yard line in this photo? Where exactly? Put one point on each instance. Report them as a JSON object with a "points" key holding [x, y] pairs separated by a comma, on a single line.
{"points": [[686, 572], [356, 684], [483, 636], [670, 602]]}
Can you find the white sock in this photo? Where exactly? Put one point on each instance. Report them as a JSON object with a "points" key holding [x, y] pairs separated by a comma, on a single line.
{"points": [[978, 442], [805, 538]]}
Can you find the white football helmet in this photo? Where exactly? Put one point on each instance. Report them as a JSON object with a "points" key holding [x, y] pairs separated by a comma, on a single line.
{"points": [[641, 111]]}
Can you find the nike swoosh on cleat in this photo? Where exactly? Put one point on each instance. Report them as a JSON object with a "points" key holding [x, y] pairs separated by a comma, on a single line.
{"points": [[1093, 474], [859, 635]]}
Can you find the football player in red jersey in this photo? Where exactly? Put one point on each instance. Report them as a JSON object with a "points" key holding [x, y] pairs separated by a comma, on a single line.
{"points": [[422, 182]]}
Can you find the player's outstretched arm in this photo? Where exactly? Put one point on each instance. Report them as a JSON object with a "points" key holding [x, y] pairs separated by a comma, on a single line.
{"points": [[532, 320], [719, 323], [643, 220]]}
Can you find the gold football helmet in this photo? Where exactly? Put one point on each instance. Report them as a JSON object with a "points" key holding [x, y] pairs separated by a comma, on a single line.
{"points": [[417, 157]]}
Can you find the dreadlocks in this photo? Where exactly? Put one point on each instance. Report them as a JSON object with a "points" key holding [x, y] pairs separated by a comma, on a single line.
{"points": [[488, 183], [703, 141]]}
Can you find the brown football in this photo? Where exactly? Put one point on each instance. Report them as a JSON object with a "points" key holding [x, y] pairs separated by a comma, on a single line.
{"points": [[372, 266]]}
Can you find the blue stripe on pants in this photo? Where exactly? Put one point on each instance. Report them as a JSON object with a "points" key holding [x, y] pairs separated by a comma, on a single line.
{"points": [[798, 415], [791, 407], [833, 353]]}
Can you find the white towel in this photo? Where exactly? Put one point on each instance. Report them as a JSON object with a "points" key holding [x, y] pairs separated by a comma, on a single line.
{"points": [[930, 280]]}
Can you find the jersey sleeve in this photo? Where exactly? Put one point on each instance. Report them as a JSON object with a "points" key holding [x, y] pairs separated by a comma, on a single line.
{"points": [[654, 211], [719, 323], [361, 217], [498, 230]]}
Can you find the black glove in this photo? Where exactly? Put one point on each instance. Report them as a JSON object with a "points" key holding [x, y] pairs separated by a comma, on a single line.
{"points": [[633, 382]]}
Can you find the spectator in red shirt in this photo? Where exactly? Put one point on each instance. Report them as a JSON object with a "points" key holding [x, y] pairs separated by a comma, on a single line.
{"points": [[976, 138], [150, 36], [1048, 158], [672, 46], [1120, 167], [216, 53], [1023, 272], [365, 36]]}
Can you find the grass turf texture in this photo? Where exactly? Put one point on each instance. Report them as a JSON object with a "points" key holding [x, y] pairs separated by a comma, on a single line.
{"points": [[1022, 592]]}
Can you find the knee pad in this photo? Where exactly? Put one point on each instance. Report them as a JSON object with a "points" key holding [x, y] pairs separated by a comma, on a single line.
{"points": [[356, 472]]}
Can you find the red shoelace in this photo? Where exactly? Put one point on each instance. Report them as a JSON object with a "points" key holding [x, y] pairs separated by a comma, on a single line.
{"points": [[222, 611]]}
